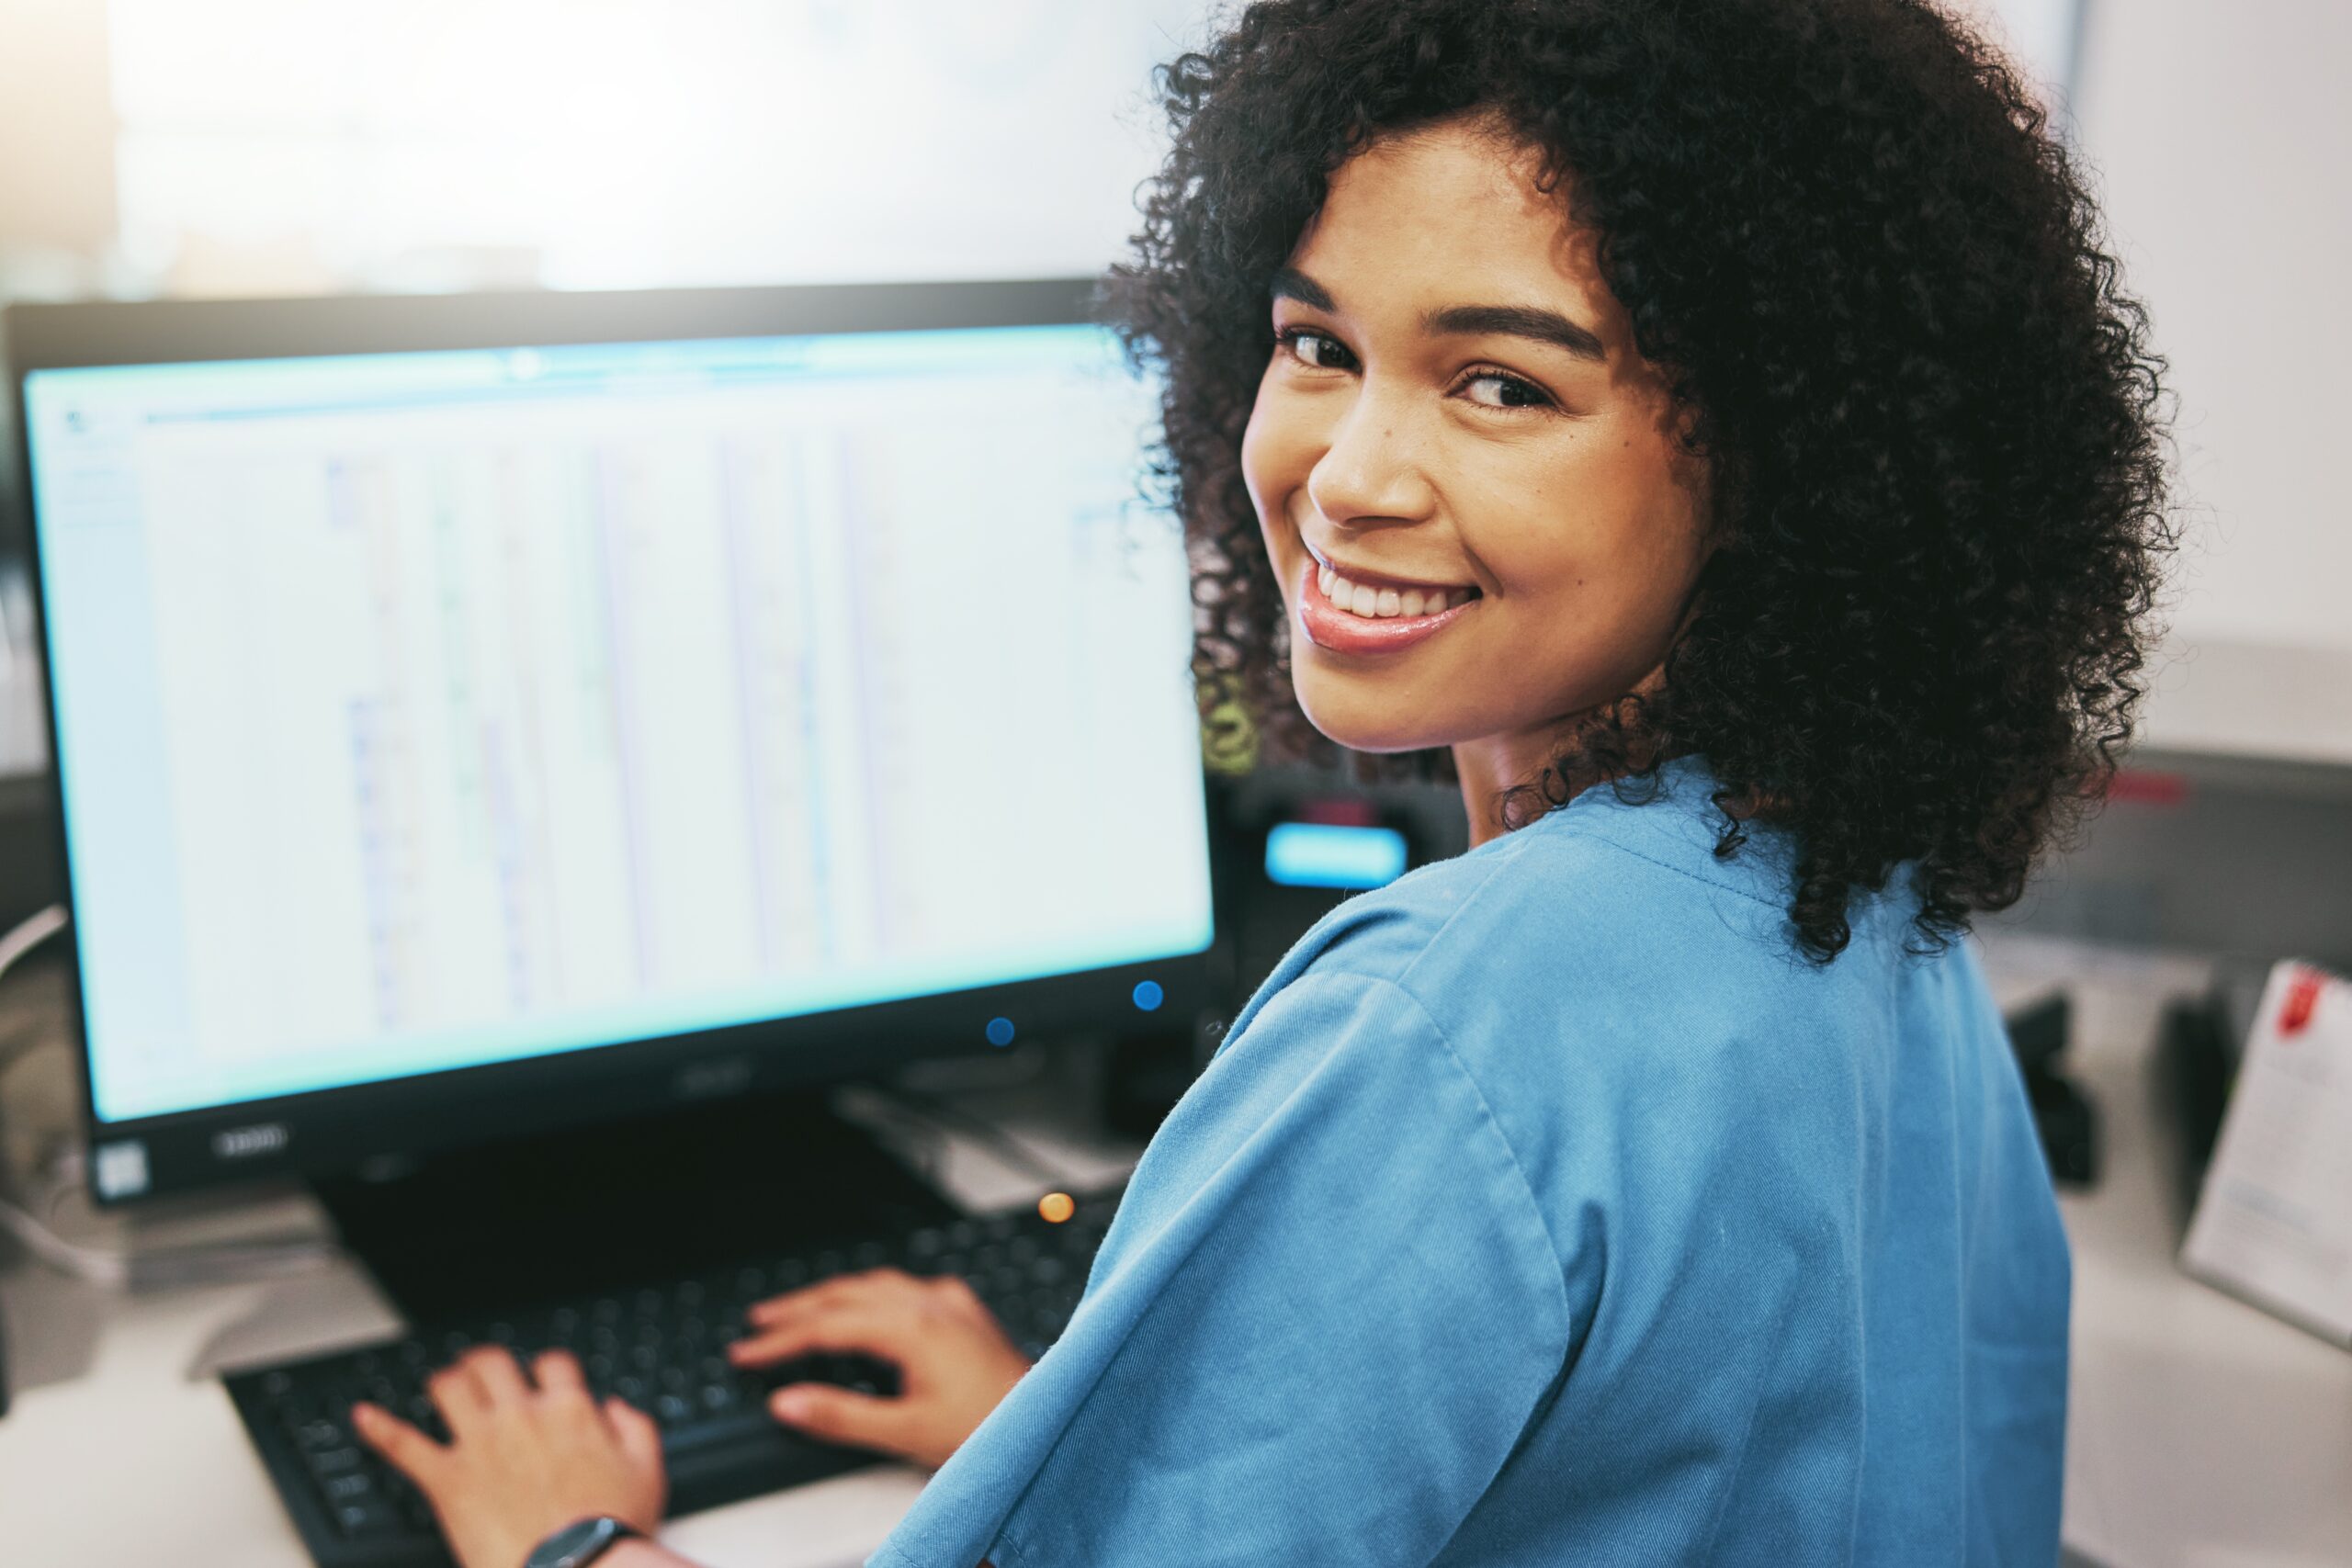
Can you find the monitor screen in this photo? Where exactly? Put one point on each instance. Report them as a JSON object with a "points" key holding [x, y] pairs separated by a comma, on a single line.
{"points": [[423, 710]]}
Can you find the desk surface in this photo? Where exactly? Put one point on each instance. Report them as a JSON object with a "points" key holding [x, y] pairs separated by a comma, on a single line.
{"points": [[2202, 1432]]}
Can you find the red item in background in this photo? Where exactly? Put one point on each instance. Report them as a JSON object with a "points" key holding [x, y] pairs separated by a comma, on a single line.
{"points": [[2302, 999]]}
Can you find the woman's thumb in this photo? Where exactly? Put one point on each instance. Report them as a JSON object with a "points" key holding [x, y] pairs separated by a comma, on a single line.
{"points": [[840, 1415]]}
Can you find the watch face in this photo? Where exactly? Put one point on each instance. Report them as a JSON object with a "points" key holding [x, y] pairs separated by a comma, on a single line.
{"points": [[575, 1545]]}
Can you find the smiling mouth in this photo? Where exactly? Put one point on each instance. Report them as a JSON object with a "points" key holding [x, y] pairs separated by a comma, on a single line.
{"points": [[1374, 618], [1380, 603], [1372, 597]]}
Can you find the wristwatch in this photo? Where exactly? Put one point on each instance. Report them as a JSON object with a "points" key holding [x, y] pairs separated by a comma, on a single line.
{"points": [[577, 1545]]}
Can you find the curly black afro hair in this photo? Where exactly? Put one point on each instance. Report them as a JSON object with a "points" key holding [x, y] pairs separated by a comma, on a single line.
{"points": [[1874, 283]]}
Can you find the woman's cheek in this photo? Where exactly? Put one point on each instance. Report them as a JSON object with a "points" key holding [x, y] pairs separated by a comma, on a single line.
{"points": [[1261, 445]]}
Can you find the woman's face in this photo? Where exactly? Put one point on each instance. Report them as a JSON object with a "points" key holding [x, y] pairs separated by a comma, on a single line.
{"points": [[1466, 477]]}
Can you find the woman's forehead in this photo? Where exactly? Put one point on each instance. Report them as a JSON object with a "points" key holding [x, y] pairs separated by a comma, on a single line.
{"points": [[1450, 214]]}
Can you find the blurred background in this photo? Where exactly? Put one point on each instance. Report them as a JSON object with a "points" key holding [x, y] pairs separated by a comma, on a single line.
{"points": [[272, 147], [254, 148]]}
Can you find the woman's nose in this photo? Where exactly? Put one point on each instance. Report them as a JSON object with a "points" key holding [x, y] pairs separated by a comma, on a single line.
{"points": [[1376, 468]]}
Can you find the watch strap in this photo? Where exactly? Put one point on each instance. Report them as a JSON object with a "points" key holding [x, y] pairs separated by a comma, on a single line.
{"points": [[582, 1541]]}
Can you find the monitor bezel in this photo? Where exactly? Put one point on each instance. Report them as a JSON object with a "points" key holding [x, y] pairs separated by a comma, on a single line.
{"points": [[333, 1132]]}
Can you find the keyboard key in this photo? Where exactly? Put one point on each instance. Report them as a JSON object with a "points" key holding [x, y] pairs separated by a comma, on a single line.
{"points": [[373, 1517]]}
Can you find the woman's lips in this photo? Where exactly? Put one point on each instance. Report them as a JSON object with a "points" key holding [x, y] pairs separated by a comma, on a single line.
{"points": [[1342, 631]]}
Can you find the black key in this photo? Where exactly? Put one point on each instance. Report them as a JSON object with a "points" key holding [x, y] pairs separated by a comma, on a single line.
{"points": [[743, 1424], [372, 1517], [319, 1435]]}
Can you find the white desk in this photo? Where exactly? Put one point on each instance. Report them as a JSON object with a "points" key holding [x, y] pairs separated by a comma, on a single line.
{"points": [[2203, 1435]]}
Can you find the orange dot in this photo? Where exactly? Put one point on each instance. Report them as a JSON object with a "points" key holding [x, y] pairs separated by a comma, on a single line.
{"points": [[1057, 1207]]}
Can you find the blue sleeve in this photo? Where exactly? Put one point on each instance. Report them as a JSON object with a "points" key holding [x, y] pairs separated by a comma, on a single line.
{"points": [[1327, 1311]]}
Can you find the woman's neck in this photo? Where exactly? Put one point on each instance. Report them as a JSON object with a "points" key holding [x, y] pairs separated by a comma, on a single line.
{"points": [[1494, 766], [1491, 767]]}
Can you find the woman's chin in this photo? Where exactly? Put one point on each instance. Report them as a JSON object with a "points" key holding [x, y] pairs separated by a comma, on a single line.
{"points": [[1362, 728]]}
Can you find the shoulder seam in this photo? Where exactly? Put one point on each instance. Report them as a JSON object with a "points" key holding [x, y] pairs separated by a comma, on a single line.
{"points": [[1486, 1109], [1606, 841]]}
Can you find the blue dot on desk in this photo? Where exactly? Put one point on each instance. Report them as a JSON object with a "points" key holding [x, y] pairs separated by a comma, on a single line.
{"points": [[1148, 996], [999, 1031]]}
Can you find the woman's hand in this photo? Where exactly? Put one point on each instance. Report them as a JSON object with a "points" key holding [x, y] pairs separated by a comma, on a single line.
{"points": [[954, 1363], [524, 1459]]}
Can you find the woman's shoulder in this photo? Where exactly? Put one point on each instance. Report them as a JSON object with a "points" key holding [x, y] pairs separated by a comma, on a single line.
{"points": [[1583, 946], [1603, 879]]}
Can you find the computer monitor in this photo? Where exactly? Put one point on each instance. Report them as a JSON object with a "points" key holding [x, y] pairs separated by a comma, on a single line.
{"points": [[474, 715]]}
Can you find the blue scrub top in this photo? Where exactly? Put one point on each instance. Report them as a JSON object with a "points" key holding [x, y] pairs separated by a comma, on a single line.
{"points": [[1545, 1207]]}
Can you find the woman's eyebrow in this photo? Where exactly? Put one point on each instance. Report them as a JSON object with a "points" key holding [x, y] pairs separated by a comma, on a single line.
{"points": [[1292, 284], [1517, 320], [1463, 320]]}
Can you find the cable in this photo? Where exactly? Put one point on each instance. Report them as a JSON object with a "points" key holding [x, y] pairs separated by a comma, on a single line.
{"points": [[30, 932], [118, 1268], [97, 1264]]}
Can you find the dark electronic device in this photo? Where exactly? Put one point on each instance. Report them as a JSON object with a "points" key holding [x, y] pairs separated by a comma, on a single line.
{"points": [[659, 1346], [514, 751], [2064, 1117]]}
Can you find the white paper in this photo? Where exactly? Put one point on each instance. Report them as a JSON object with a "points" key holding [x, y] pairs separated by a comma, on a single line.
{"points": [[2274, 1222]]}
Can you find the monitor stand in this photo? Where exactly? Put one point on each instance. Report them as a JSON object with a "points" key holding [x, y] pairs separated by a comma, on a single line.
{"points": [[619, 1204]]}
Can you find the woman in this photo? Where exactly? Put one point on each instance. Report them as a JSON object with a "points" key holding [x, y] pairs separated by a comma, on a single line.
{"points": [[1712, 432]]}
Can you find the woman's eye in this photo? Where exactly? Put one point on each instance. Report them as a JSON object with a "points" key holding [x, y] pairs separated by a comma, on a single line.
{"points": [[1320, 352], [1492, 389]]}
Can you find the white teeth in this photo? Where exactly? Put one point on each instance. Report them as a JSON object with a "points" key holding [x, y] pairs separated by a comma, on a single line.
{"points": [[1358, 599]]}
